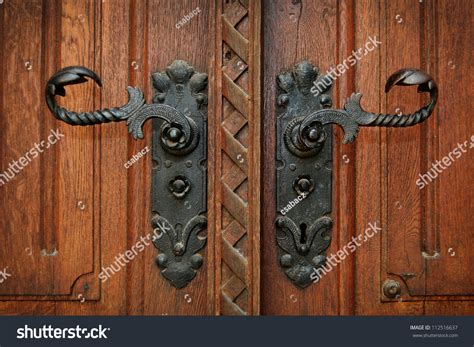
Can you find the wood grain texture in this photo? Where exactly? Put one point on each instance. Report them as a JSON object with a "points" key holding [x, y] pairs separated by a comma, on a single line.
{"points": [[454, 188], [236, 157], [78, 199], [21, 190], [165, 43], [55, 254], [413, 245], [293, 31]]}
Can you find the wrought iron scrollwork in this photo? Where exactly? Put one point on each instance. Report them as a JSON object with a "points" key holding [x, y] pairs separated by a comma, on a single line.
{"points": [[179, 180], [354, 116], [181, 135], [304, 156], [179, 259]]}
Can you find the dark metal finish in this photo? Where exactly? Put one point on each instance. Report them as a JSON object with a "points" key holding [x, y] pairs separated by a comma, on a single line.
{"points": [[303, 175], [392, 289], [304, 157], [353, 115], [180, 175], [179, 182]]}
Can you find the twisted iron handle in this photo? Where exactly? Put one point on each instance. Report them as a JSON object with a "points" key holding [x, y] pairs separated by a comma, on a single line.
{"points": [[136, 112], [354, 116]]}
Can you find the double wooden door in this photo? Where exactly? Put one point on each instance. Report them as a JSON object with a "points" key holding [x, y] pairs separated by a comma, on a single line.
{"points": [[75, 207]]}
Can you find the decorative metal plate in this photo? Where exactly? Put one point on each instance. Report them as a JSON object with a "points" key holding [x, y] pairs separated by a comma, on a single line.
{"points": [[304, 159], [179, 156]]}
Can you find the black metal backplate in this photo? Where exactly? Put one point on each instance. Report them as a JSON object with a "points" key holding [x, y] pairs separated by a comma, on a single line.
{"points": [[303, 176], [179, 177]]}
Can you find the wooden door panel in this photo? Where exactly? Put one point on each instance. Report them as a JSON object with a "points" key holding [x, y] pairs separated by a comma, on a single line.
{"points": [[421, 228], [83, 202], [403, 151], [48, 250], [165, 43], [375, 180], [453, 191], [72, 210], [293, 31]]}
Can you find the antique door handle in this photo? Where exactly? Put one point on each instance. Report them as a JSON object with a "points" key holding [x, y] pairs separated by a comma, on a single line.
{"points": [[179, 183], [304, 159]]}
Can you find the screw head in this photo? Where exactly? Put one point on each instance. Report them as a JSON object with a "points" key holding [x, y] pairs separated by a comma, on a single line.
{"points": [[179, 185], [313, 134], [303, 249], [304, 185], [392, 289], [174, 134], [161, 260], [196, 261], [178, 248]]}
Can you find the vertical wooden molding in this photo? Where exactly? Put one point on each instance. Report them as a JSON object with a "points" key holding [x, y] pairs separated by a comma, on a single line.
{"points": [[236, 146], [344, 175]]}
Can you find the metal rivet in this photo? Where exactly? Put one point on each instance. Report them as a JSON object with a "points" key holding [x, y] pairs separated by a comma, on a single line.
{"points": [[189, 163], [392, 289], [304, 185], [168, 163], [292, 167]]}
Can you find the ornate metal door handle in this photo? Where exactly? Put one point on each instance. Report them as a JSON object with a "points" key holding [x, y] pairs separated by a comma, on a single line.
{"points": [[304, 158], [179, 183]]}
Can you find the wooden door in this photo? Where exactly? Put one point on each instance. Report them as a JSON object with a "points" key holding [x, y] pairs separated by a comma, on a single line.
{"points": [[425, 233], [71, 209], [75, 207]]}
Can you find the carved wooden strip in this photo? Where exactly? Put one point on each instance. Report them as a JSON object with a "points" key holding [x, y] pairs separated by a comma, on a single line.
{"points": [[234, 178], [237, 132], [235, 40], [234, 149], [234, 67], [234, 260], [234, 12], [234, 122], [234, 232], [233, 287], [236, 95], [229, 308], [235, 205]]}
